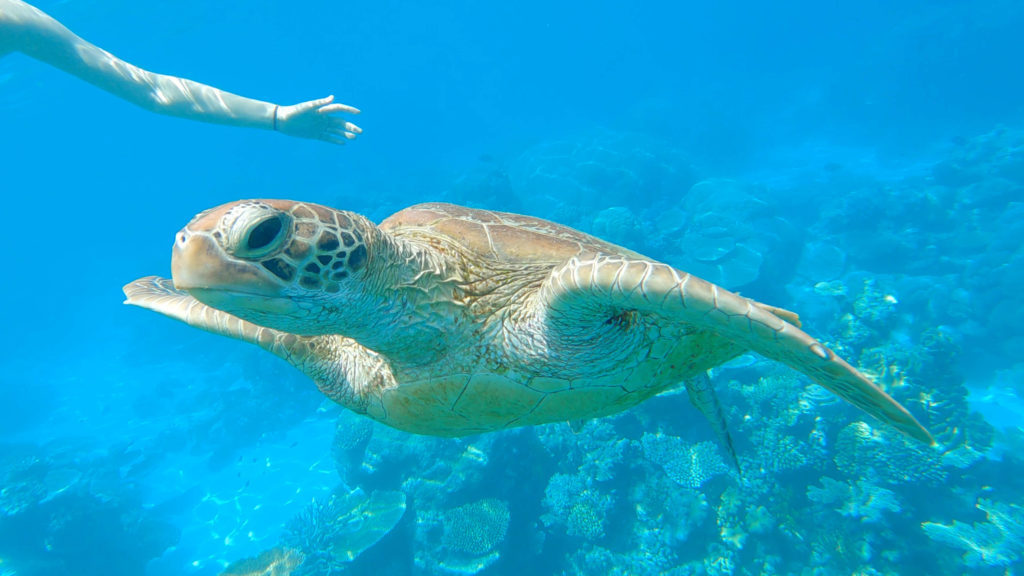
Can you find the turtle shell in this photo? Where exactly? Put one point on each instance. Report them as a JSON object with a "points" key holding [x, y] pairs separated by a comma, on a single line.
{"points": [[499, 236]]}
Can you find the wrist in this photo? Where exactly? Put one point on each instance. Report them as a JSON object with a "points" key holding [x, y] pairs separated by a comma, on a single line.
{"points": [[274, 125]]}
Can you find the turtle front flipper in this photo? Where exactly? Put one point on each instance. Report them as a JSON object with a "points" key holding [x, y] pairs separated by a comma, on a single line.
{"points": [[342, 369], [160, 295], [613, 285]]}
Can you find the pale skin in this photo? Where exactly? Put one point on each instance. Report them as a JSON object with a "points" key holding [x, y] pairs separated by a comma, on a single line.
{"points": [[26, 29]]}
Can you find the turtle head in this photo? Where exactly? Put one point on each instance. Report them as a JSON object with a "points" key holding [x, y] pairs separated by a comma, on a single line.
{"points": [[287, 265]]}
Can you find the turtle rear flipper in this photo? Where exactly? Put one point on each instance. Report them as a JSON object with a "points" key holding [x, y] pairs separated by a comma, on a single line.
{"points": [[702, 395], [598, 284]]}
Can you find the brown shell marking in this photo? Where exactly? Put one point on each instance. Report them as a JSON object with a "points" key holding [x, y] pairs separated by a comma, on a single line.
{"points": [[500, 235]]}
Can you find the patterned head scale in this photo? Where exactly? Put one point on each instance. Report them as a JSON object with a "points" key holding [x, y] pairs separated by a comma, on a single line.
{"points": [[309, 245], [273, 246]]}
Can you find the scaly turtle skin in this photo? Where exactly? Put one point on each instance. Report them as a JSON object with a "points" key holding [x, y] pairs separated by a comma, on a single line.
{"points": [[449, 321]]}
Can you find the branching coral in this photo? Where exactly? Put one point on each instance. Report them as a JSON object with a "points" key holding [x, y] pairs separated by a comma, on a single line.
{"points": [[563, 490], [874, 305], [861, 500], [476, 528], [938, 393], [595, 450], [738, 516], [273, 562], [886, 455], [720, 561], [444, 466], [729, 516], [666, 512], [853, 332], [687, 465], [574, 503], [777, 399], [460, 541], [927, 380], [837, 549], [352, 434], [999, 541], [586, 517], [334, 531], [776, 451], [593, 559]]}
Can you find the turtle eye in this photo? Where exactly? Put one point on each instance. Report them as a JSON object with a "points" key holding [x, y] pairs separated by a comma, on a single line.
{"points": [[262, 238]]}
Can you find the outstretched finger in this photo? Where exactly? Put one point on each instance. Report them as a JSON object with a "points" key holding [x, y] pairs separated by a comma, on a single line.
{"points": [[339, 126], [338, 133], [318, 103], [338, 108]]}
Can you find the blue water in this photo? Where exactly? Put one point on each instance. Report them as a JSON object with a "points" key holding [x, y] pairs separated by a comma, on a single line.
{"points": [[860, 165]]}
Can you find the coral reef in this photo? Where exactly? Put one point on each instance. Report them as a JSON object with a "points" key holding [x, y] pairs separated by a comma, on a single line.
{"points": [[565, 179], [447, 467], [476, 528], [886, 456], [336, 530], [595, 450], [666, 512], [729, 515], [773, 399], [720, 561], [78, 532], [778, 452], [938, 392], [23, 484], [998, 541], [861, 499], [687, 465], [273, 562], [620, 225], [352, 434], [574, 503], [916, 279], [996, 154], [719, 243], [874, 306], [463, 540], [29, 476]]}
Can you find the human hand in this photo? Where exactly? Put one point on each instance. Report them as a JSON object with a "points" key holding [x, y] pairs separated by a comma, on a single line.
{"points": [[313, 120]]}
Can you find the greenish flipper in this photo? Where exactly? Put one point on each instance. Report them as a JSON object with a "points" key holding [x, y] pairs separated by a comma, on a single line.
{"points": [[702, 395]]}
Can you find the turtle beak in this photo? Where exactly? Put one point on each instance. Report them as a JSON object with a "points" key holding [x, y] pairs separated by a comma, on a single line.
{"points": [[200, 265]]}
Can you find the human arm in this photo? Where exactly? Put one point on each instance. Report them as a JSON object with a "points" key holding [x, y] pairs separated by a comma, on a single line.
{"points": [[26, 29]]}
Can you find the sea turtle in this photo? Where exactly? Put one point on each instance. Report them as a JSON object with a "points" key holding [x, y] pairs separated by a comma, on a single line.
{"points": [[447, 321]]}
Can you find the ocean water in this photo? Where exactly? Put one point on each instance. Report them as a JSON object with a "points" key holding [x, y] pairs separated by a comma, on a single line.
{"points": [[861, 165]]}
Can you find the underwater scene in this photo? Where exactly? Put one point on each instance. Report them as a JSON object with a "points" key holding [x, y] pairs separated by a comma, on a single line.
{"points": [[460, 391]]}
